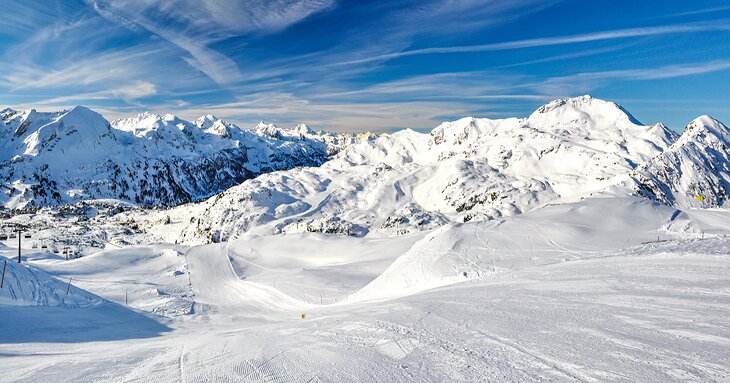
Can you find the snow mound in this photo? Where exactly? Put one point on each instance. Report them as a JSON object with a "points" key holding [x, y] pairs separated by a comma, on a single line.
{"points": [[165, 284], [26, 286], [587, 229]]}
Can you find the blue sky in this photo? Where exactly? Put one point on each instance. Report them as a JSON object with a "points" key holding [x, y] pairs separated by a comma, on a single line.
{"points": [[358, 65]]}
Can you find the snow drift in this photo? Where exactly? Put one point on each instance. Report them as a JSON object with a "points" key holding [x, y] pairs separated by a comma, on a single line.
{"points": [[27, 286]]}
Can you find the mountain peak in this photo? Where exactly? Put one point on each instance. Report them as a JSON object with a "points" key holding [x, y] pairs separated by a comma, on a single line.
{"points": [[80, 108], [705, 130], [83, 115], [581, 107], [206, 121], [170, 117], [696, 164], [705, 122]]}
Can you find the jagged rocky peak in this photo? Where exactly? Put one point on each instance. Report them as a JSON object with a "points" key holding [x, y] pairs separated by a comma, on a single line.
{"points": [[268, 129], [304, 129], [301, 131], [661, 131], [138, 124], [6, 112], [206, 121], [707, 130], [84, 123], [167, 128], [455, 132], [583, 117], [694, 171]]}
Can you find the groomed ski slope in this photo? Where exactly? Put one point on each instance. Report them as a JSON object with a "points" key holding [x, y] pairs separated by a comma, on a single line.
{"points": [[612, 289]]}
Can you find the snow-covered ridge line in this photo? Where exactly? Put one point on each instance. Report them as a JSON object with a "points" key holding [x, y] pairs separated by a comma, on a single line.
{"points": [[52, 158], [364, 185], [469, 169]]}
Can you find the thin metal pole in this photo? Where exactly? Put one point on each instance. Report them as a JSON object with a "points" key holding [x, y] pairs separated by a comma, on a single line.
{"points": [[2, 281], [20, 235], [69, 286]]}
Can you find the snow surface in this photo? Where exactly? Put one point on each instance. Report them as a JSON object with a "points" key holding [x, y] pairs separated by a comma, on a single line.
{"points": [[572, 292]]}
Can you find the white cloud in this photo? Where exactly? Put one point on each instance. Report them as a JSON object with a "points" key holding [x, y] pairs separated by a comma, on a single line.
{"points": [[138, 89], [550, 41], [588, 81], [96, 70], [210, 17], [193, 25]]}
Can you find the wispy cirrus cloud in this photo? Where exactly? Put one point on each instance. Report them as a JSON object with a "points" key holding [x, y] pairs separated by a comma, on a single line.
{"points": [[193, 25], [334, 64], [588, 81], [700, 11], [129, 93], [551, 41], [216, 17]]}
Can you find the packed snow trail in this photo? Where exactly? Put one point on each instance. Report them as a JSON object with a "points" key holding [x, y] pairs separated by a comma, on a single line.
{"points": [[216, 285], [651, 313]]}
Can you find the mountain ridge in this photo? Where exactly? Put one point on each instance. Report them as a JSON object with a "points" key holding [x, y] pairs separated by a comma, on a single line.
{"points": [[382, 185], [52, 158], [469, 169], [694, 171]]}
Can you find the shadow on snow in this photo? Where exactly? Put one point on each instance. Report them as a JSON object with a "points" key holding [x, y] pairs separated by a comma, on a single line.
{"points": [[105, 322]]}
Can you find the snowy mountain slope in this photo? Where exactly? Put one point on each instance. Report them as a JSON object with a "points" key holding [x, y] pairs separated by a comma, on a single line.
{"points": [[697, 164], [566, 232], [62, 157], [467, 169]]}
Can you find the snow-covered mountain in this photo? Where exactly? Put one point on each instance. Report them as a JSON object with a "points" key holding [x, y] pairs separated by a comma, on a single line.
{"points": [[274, 180], [335, 141], [592, 268], [62, 157], [463, 170], [694, 171]]}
